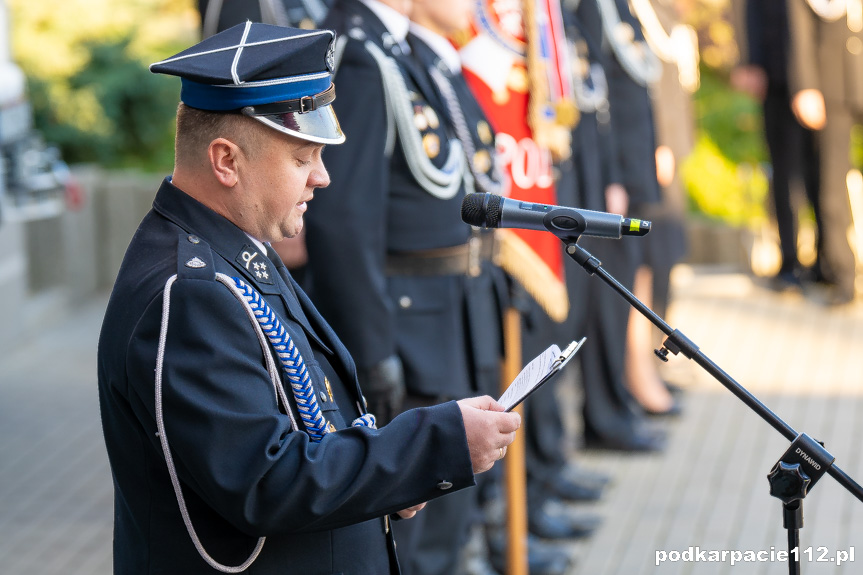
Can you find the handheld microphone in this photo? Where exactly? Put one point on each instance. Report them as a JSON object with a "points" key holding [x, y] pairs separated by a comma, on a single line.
{"points": [[491, 211]]}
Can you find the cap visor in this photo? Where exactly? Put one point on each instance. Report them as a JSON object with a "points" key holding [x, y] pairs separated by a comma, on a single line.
{"points": [[320, 126]]}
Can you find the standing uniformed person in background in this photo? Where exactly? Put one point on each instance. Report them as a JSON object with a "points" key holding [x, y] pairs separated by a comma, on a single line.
{"points": [[402, 279], [763, 74], [218, 15], [826, 81], [273, 460], [627, 174]]}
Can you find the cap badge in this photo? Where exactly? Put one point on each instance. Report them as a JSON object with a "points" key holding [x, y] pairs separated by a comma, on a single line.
{"points": [[331, 57]]}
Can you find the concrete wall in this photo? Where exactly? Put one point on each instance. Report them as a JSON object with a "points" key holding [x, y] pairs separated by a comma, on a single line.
{"points": [[48, 265]]}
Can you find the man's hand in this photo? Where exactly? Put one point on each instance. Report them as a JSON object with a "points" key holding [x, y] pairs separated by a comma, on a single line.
{"points": [[489, 430], [665, 166], [383, 386], [410, 511], [616, 199], [808, 107], [751, 80]]}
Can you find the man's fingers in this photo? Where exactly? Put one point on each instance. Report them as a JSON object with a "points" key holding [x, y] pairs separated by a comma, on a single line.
{"points": [[508, 422], [484, 403]]}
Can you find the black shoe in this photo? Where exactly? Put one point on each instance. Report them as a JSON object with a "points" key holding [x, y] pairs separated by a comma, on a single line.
{"points": [[542, 558], [573, 489], [634, 440], [673, 388], [785, 281], [673, 411], [584, 476], [554, 521], [831, 295]]}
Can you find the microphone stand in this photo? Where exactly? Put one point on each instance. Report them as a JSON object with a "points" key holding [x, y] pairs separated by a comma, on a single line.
{"points": [[799, 468]]}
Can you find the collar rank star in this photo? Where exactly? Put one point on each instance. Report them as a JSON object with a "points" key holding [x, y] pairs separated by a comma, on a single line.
{"points": [[256, 264]]}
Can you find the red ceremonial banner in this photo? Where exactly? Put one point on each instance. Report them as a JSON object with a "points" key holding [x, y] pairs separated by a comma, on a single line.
{"points": [[495, 64]]}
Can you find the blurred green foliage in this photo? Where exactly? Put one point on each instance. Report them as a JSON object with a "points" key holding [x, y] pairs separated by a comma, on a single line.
{"points": [[724, 175], [86, 65]]}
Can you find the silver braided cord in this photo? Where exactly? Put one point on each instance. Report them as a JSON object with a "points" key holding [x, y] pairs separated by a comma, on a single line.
{"points": [[166, 450], [481, 179], [293, 366], [443, 183], [366, 420]]}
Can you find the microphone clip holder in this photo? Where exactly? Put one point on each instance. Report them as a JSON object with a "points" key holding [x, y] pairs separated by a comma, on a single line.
{"points": [[799, 468]]}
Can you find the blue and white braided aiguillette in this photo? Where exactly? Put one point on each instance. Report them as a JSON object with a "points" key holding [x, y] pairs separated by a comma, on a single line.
{"points": [[294, 367]]}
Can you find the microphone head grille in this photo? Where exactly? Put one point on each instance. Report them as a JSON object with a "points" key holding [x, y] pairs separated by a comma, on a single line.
{"points": [[481, 210]]}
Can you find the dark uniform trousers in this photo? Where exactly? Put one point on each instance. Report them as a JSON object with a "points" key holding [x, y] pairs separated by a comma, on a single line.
{"points": [[828, 56], [793, 149], [244, 471], [615, 148], [376, 212]]}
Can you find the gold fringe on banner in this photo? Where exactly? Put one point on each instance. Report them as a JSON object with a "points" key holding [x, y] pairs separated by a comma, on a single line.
{"points": [[553, 134], [520, 261]]}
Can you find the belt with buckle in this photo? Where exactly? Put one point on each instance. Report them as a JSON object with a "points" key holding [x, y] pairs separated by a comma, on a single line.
{"points": [[465, 259]]}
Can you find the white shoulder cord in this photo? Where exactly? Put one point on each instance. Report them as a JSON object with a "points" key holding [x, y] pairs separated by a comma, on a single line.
{"points": [[636, 58], [443, 182], [160, 424], [680, 47]]}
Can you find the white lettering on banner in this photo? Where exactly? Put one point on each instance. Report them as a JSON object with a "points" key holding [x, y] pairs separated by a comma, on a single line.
{"points": [[529, 165]]}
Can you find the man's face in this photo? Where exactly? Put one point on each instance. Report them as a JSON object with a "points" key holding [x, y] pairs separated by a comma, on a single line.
{"points": [[278, 179]]}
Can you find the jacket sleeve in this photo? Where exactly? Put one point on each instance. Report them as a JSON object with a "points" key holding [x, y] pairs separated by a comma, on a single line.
{"points": [[236, 450], [346, 223], [803, 49]]}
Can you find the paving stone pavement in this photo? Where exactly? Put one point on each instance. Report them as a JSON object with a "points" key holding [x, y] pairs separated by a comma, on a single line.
{"points": [[707, 490]]}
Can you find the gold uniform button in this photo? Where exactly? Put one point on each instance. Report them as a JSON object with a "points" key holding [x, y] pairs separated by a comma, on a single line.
{"points": [[483, 130], [431, 145], [482, 161]]}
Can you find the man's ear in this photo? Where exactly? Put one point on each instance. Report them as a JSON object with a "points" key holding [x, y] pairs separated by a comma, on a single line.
{"points": [[224, 155]]}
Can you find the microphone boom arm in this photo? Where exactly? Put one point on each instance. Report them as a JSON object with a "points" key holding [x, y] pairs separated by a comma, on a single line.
{"points": [[676, 342]]}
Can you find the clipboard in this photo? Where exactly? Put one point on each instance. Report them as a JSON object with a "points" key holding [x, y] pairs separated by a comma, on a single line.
{"points": [[536, 373]]}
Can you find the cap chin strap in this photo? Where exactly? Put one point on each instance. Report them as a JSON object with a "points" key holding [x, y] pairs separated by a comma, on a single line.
{"points": [[297, 105]]}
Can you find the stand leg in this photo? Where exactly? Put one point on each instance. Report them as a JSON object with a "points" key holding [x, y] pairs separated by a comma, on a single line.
{"points": [[792, 515]]}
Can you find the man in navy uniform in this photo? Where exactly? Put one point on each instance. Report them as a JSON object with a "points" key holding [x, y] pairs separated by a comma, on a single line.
{"points": [[234, 424]]}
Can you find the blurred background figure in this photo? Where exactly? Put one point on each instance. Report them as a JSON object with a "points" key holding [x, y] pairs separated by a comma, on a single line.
{"points": [[794, 155], [616, 159], [408, 286], [218, 15], [676, 45], [826, 85]]}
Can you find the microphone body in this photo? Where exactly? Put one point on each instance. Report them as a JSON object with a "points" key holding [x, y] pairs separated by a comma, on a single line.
{"points": [[491, 211]]}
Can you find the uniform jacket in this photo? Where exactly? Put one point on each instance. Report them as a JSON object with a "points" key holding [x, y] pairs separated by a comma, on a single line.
{"points": [[826, 56], [244, 472], [375, 206], [632, 118]]}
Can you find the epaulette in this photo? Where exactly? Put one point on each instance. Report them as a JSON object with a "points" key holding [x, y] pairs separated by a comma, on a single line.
{"points": [[194, 258]]}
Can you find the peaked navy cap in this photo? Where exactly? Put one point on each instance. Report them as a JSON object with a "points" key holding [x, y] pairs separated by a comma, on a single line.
{"points": [[279, 76]]}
